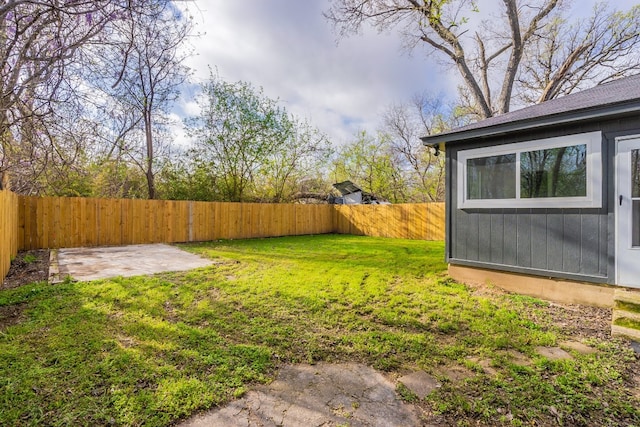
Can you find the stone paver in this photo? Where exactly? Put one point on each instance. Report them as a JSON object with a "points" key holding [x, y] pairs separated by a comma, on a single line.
{"points": [[454, 373], [518, 358], [578, 346], [316, 395], [485, 364], [553, 353], [420, 383]]}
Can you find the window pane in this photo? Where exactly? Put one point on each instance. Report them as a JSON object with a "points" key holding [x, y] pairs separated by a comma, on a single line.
{"points": [[554, 172], [635, 173], [491, 177]]}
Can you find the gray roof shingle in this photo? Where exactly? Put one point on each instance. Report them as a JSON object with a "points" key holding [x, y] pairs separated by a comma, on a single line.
{"points": [[621, 95]]}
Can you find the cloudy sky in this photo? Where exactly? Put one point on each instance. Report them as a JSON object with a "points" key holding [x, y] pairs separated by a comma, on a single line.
{"points": [[290, 50]]}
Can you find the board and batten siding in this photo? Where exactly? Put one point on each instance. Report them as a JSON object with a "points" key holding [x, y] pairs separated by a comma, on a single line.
{"points": [[570, 241], [563, 243]]}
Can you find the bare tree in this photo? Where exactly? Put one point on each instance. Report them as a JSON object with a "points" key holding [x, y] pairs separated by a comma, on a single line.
{"points": [[50, 157], [405, 128], [489, 56], [405, 123], [568, 56], [38, 40], [145, 63]]}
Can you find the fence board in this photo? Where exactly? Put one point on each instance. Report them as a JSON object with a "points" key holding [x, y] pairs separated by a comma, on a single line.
{"points": [[21, 218], [208, 227], [157, 231], [30, 223]]}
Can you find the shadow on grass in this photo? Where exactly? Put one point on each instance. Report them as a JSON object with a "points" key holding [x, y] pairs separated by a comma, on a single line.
{"points": [[150, 350]]}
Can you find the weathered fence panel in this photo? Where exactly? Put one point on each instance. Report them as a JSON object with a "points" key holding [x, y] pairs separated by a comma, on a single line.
{"points": [[8, 230]]}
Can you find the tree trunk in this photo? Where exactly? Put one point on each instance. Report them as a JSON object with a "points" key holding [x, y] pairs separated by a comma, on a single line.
{"points": [[149, 140], [5, 183]]}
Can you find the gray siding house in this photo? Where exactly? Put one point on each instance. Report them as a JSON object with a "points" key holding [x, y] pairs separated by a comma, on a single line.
{"points": [[546, 200]]}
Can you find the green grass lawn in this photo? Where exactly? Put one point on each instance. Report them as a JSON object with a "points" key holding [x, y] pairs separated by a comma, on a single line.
{"points": [[151, 350]]}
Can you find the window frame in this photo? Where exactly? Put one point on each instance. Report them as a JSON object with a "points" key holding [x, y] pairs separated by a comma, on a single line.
{"points": [[593, 198]]}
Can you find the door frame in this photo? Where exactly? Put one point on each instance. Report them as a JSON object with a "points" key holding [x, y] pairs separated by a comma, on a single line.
{"points": [[617, 177]]}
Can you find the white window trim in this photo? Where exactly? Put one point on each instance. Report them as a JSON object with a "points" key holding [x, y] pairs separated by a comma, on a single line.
{"points": [[593, 199]]}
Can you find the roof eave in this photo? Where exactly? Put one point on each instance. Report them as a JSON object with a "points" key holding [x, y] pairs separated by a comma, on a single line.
{"points": [[534, 123]]}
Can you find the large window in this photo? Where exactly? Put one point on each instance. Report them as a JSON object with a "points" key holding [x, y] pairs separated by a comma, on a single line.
{"points": [[555, 172]]}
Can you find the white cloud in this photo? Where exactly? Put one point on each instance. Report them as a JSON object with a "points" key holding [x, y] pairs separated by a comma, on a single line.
{"points": [[289, 49]]}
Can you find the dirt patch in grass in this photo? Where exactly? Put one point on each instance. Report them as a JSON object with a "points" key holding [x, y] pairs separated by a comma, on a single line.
{"points": [[28, 267], [578, 321], [635, 385], [589, 330], [581, 321], [11, 315]]}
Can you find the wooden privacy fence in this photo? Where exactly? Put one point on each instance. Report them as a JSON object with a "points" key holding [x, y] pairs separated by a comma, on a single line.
{"points": [[57, 222], [8, 230]]}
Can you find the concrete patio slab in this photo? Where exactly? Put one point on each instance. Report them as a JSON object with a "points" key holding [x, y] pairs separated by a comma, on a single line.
{"points": [[85, 264]]}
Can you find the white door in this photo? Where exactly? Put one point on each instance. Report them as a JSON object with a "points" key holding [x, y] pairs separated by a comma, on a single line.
{"points": [[628, 212]]}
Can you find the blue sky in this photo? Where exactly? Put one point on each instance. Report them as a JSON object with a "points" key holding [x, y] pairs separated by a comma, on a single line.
{"points": [[290, 50]]}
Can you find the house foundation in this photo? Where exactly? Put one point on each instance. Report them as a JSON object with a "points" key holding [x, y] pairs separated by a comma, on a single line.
{"points": [[626, 314], [547, 288]]}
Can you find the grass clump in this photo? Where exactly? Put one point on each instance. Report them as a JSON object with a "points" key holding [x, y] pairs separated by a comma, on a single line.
{"points": [[152, 350], [29, 258]]}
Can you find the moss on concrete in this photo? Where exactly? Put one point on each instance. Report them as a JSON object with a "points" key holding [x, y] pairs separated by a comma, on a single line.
{"points": [[627, 306], [627, 323]]}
